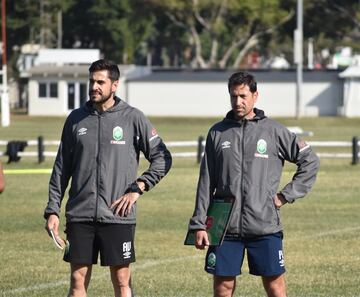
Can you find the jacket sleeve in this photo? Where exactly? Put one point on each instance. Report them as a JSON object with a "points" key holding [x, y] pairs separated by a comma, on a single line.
{"points": [[155, 152], [61, 172], [205, 188], [297, 151]]}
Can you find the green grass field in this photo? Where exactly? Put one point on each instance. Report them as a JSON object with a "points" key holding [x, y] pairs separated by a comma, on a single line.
{"points": [[322, 231]]}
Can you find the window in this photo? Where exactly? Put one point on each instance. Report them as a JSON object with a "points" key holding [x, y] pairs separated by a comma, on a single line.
{"points": [[83, 93], [48, 90], [42, 90], [71, 95], [53, 90]]}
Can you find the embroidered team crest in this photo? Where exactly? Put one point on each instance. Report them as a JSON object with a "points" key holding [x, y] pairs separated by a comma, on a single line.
{"points": [[211, 260], [261, 149], [118, 133], [261, 146]]}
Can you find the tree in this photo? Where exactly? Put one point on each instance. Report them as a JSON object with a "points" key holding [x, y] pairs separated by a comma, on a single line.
{"points": [[118, 28], [34, 21], [336, 22], [222, 32], [196, 33]]}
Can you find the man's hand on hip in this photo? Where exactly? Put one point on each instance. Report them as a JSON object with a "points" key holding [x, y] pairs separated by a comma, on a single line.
{"points": [[124, 204], [279, 200]]}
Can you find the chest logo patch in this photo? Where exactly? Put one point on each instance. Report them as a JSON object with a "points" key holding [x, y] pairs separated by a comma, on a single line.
{"points": [[118, 133], [261, 146]]}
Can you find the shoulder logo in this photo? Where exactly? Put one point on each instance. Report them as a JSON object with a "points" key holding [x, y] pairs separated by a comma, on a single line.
{"points": [[226, 144], [82, 131], [261, 146]]}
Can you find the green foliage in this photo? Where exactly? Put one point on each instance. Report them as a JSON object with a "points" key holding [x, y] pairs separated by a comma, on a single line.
{"points": [[197, 33]]}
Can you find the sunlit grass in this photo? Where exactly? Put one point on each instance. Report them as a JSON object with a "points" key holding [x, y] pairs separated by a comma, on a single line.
{"points": [[322, 231]]}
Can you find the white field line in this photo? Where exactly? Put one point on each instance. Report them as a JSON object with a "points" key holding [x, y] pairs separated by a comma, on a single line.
{"points": [[332, 232], [134, 267], [153, 263]]}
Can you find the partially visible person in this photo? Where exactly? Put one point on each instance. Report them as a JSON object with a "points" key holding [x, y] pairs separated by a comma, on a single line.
{"points": [[99, 152], [244, 157], [2, 178]]}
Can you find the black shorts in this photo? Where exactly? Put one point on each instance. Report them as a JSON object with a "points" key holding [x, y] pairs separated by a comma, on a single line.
{"points": [[115, 242]]}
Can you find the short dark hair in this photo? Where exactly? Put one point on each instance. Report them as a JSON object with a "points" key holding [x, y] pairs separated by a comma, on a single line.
{"points": [[103, 64], [243, 78]]}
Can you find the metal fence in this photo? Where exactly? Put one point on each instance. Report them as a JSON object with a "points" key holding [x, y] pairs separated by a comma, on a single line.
{"points": [[15, 149]]}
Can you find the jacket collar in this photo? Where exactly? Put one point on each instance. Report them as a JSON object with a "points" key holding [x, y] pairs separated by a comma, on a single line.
{"points": [[259, 115], [91, 109]]}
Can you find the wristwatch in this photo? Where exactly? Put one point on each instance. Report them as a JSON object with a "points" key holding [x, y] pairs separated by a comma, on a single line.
{"points": [[134, 188]]}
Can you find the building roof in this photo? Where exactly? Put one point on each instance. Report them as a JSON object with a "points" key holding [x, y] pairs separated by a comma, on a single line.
{"points": [[45, 70], [67, 56], [351, 71], [210, 75]]}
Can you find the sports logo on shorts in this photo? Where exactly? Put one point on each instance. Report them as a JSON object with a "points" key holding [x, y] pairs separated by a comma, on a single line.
{"points": [[211, 260], [281, 258], [127, 250]]}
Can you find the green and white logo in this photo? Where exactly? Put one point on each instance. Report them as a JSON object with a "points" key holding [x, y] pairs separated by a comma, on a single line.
{"points": [[261, 146], [211, 260], [118, 133]]}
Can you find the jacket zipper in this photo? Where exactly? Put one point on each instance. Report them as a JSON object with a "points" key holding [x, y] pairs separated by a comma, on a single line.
{"points": [[242, 178], [97, 170]]}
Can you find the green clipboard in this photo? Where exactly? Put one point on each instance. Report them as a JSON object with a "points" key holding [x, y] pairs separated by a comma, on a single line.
{"points": [[217, 221]]}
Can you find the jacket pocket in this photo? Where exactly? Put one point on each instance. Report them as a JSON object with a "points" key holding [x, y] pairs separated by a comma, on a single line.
{"points": [[275, 212]]}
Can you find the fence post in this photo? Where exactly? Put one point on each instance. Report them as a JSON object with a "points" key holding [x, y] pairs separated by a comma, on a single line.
{"points": [[355, 151], [41, 149], [200, 149]]}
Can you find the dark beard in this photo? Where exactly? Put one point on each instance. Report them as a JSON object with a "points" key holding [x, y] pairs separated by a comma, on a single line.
{"points": [[102, 100]]}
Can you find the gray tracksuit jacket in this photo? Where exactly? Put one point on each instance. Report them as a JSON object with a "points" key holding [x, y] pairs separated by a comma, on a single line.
{"points": [[244, 159], [100, 153]]}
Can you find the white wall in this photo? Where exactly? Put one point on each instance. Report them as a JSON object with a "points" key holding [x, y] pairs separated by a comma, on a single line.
{"points": [[47, 106], [318, 98], [212, 98], [277, 99], [179, 99], [352, 97]]}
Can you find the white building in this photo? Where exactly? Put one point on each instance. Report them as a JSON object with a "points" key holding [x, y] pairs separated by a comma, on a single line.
{"points": [[204, 92], [351, 106], [58, 80], [57, 89]]}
